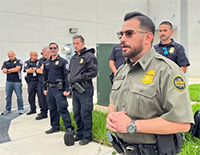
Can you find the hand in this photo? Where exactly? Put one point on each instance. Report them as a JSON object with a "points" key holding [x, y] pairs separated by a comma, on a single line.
{"points": [[4, 70], [65, 93], [118, 121], [45, 92]]}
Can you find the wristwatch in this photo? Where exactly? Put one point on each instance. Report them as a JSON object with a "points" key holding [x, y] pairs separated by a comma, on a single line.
{"points": [[131, 128]]}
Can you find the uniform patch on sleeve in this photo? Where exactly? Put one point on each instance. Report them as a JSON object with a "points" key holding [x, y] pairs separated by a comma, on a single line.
{"points": [[179, 83], [148, 78]]}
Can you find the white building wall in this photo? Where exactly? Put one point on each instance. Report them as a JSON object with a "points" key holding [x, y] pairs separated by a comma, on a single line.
{"points": [[27, 25]]}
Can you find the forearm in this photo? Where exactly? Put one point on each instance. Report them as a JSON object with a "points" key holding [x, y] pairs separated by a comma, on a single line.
{"points": [[118, 122], [111, 108], [184, 69], [12, 70], [31, 70], [160, 126], [112, 66]]}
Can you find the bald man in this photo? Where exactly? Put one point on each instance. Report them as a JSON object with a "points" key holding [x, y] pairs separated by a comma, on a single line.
{"points": [[12, 68], [32, 80]]}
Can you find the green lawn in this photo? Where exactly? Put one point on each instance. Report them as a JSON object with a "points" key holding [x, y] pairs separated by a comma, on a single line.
{"points": [[190, 147]]}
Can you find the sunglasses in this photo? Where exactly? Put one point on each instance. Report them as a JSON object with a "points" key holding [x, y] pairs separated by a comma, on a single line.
{"points": [[52, 48], [165, 51], [128, 33]]}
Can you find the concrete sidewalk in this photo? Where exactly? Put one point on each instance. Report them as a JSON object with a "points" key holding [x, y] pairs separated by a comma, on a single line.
{"points": [[28, 138]]}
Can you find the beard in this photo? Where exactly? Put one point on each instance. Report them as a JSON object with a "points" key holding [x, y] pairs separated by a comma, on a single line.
{"points": [[164, 38], [134, 51], [54, 53]]}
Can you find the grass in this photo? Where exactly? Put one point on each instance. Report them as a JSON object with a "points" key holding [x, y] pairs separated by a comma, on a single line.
{"points": [[191, 145], [194, 91]]}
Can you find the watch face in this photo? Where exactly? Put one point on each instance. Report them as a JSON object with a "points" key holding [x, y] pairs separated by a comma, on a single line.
{"points": [[131, 128]]}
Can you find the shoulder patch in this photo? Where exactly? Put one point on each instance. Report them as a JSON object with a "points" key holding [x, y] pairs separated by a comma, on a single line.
{"points": [[179, 83], [20, 62]]}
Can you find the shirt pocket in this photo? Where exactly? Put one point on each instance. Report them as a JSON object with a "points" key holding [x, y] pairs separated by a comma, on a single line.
{"points": [[144, 103]]}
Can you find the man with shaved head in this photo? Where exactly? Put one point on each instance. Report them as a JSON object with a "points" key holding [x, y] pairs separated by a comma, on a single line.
{"points": [[32, 80], [13, 68]]}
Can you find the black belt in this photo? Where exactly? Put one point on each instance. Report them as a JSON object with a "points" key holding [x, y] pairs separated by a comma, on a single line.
{"points": [[51, 85], [34, 79], [139, 149]]}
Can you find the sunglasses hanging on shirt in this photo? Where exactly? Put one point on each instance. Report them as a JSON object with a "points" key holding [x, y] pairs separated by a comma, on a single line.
{"points": [[165, 51]]}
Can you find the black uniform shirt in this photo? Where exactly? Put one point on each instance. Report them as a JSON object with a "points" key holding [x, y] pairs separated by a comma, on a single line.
{"points": [[38, 65], [83, 67], [55, 70], [117, 56], [13, 77], [173, 51], [30, 64]]}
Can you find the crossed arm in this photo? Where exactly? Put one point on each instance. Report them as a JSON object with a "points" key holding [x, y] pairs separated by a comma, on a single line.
{"points": [[118, 122]]}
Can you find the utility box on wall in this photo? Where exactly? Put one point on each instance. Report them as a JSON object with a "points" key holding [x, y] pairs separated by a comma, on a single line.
{"points": [[103, 80]]}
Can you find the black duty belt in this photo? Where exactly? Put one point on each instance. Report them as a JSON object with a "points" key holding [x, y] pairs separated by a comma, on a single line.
{"points": [[34, 79], [139, 149], [52, 85]]}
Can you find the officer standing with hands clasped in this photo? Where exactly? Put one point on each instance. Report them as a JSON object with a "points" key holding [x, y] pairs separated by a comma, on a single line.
{"points": [[56, 89], [82, 69], [32, 80], [12, 68], [149, 102], [42, 98]]}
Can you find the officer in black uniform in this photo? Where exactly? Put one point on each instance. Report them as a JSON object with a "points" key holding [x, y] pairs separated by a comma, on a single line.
{"points": [[32, 80], [42, 98], [12, 68], [116, 59], [169, 48], [82, 69], [56, 88]]}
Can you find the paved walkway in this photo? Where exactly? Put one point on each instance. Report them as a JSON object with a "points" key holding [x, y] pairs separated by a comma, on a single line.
{"points": [[23, 135]]}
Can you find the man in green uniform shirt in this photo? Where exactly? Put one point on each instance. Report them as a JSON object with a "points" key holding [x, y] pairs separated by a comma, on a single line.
{"points": [[149, 96]]}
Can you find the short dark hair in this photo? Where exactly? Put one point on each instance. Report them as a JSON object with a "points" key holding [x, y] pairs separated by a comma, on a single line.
{"points": [[167, 23], [146, 24], [54, 44], [79, 36]]}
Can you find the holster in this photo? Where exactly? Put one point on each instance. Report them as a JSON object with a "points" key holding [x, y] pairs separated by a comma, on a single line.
{"points": [[60, 84], [27, 79], [115, 142], [169, 144]]}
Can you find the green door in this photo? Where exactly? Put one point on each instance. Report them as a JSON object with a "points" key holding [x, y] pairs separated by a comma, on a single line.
{"points": [[103, 80]]}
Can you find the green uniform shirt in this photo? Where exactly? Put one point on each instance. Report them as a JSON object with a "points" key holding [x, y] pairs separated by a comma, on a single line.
{"points": [[152, 87]]}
